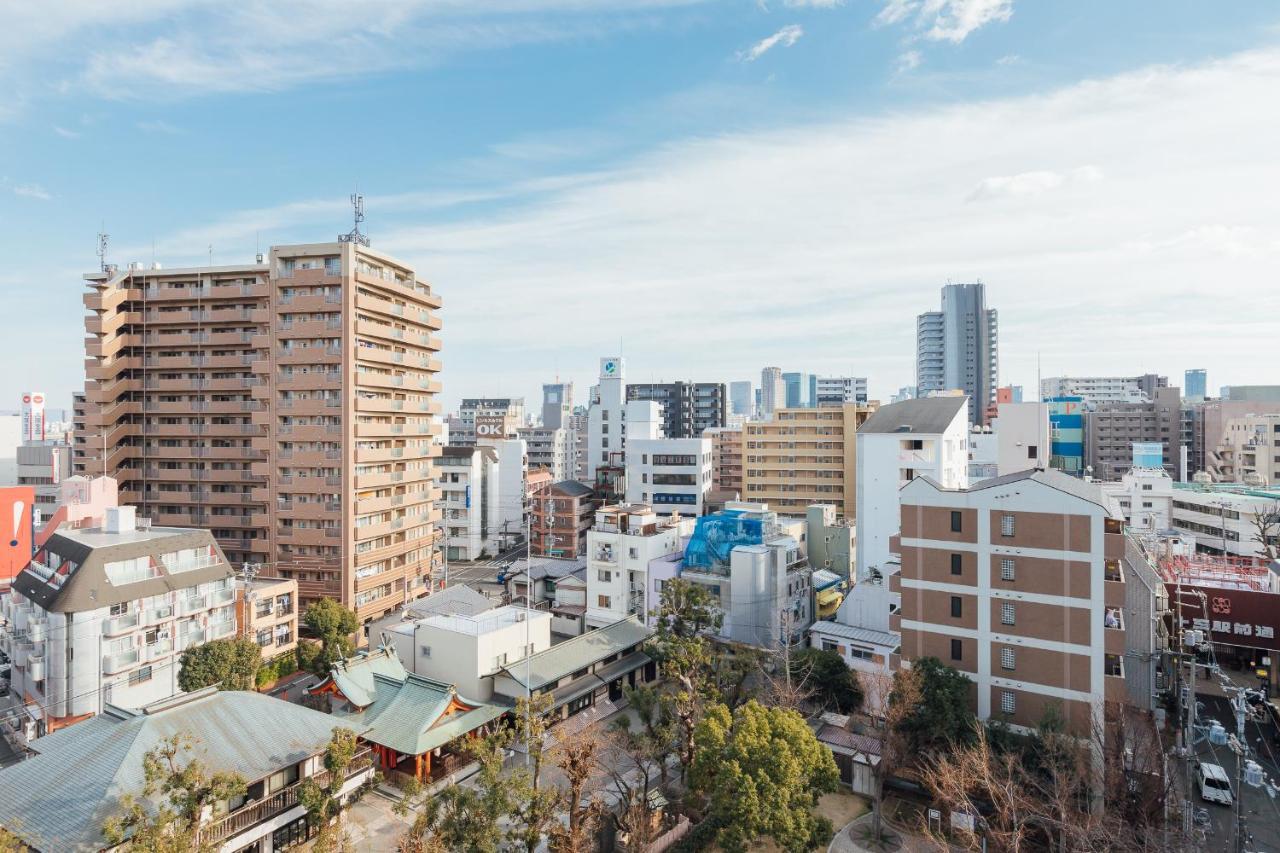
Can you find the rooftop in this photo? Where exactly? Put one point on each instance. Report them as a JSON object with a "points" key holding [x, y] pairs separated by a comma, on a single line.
{"points": [[924, 415], [551, 665], [476, 624], [414, 715], [458, 598]]}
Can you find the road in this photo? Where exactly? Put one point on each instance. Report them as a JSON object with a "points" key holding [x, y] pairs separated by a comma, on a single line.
{"points": [[1261, 812]]}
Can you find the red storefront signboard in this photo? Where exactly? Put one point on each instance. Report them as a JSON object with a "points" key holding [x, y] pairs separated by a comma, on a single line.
{"points": [[1236, 617]]}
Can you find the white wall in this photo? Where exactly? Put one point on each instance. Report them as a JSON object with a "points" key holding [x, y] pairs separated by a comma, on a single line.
{"points": [[624, 558], [1022, 436], [642, 469], [604, 418], [513, 472], [466, 659]]}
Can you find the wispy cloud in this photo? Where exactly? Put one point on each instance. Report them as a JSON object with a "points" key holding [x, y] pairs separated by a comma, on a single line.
{"points": [[1009, 59], [812, 4], [787, 36], [65, 133], [158, 126], [945, 20], [32, 191], [1033, 183], [908, 61]]}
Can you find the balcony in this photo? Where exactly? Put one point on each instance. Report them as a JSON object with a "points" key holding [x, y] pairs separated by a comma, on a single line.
{"points": [[35, 667], [156, 651], [217, 831], [194, 604], [122, 624], [191, 638], [218, 630], [119, 662]]}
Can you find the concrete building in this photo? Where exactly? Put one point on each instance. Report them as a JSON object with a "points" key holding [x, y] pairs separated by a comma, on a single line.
{"points": [[831, 541], [1195, 383], [468, 651], [513, 490], [606, 431], [620, 546], [287, 405], [102, 615], [551, 448], [1251, 393], [1208, 426], [1221, 517], [688, 408], [726, 459], [1097, 390], [1066, 432], [957, 348], [1022, 437], [673, 475], [1017, 583], [802, 457], [1145, 497], [79, 778], [1248, 452], [267, 612], [10, 441], [486, 418], [902, 441], [469, 498], [742, 398], [837, 390], [43, 465], [773, 392], [557, 405], [1111, 430], [562, 515]]}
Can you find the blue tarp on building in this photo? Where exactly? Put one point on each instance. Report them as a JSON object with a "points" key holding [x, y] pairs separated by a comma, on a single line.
{"points": [[716, 535]]}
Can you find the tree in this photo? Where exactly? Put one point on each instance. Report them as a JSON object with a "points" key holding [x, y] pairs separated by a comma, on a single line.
{"points": [[686, 609], [1266, 530], [829, 678], [334, 625], [940, 716], [576, 758], [463, 817], [654, 738], [165, 817], [534, 808], [531, 728], [322, 802], [762, 771], [231, 663], [10, 843]]}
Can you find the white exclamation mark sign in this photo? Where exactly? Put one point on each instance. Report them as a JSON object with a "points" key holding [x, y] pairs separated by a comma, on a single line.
{"points": [[17, 522]]}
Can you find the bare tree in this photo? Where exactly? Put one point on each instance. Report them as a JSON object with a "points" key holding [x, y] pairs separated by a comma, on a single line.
{"points": [[899, 694], [1266, 530], [575, 755], [787, 686]]}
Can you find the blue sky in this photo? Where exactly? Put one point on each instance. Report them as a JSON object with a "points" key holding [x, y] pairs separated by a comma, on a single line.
{"points": [[717, 185]]}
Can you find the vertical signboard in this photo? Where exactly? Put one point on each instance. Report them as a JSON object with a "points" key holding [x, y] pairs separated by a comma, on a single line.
{"points": [[16, 504], [33, 416]]}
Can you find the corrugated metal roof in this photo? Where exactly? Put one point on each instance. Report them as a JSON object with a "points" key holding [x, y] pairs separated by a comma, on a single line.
{"points": [[578, 653], [59, 799], [858, 635]]}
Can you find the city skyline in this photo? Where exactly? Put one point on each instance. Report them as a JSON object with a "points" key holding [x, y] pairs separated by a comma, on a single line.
{"points": [[1054, 189]]}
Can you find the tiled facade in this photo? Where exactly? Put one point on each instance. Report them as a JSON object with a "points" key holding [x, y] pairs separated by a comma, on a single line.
{"points": [[726, 458], [288, 405], [267, 611], [562, 514]]}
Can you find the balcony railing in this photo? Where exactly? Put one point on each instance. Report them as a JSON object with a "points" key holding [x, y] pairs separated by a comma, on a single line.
{"points": [[252, 814]]}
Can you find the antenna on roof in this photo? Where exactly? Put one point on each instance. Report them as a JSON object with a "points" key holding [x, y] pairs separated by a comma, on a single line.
{"points": [[357, 208], [103, 239]]}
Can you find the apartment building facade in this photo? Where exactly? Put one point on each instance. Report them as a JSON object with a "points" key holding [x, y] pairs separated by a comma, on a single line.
{"points": [[469, 499], [957, 348], [102, 615], [726, 459], [288, 405], [688, 408], [1096, 390], [1017, 582], [1248, 452], [803, 457], [551, 448], [672, 475], [557, 404], [620, 546], [267, 613], [562, 514], [481, 418], [1111, 430], [44, 465], [836, 390]]}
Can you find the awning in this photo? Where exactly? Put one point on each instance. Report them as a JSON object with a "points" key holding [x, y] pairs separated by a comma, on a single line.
{"points": [[574, 689], [619, 668]]}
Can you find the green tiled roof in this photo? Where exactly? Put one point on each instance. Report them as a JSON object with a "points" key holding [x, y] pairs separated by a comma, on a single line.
{"points": [[553, 664], [354, 677]]}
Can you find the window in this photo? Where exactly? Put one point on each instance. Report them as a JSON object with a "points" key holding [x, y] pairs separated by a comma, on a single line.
{"points": [[425, 651], [139, 675], [1006, 613], [955, 521], [633, 553], [603, 601], [1006, 525], [1006, 570], [957, 566], [1006, 658], [119, 609], [957, 649], [1006, 702], [604, 576], [956, 607], [1032, 451]]}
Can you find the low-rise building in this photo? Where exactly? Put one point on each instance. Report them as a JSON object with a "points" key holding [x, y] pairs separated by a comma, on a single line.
{"points": [[102, 615], [562, 514], [672, 475], [43, 464], [467, 651], [583, 672], [60, 798], [538, 579], [267, 612], [619, 548], [469, 494]]}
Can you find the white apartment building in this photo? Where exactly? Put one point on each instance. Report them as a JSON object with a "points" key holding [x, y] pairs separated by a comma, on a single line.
{"points": [[928, 436], [836, 390], [619, 548], [669, 474], [1103, 389], [513, 476], [1145, 497], [606, 432], [552, 448], [469, 496], [468, 650], [102, 615]]}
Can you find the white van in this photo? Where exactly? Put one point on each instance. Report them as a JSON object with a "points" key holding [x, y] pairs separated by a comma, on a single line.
{"points": [[1215, 787]]}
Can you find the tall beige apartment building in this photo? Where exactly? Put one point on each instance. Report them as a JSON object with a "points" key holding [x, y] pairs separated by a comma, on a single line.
{"points": [[802, 457], [726, 458], [287, 405]]}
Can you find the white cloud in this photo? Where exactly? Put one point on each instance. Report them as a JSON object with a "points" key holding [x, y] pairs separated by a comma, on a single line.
{"points": [[32, 191], [945, 20], [787, 36], [65, 133], [812, 4], [158, 126], [908, 61], [816, 245], [1033, 183], [1009, 59]]}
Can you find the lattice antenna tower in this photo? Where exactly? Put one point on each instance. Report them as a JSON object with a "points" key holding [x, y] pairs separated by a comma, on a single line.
{"points": [[355, 236]]}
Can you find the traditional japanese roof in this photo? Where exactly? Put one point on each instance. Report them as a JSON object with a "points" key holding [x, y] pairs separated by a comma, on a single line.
{"points": [[547, 567], [551, 665], [59, 799], [354, 676], [414, 715]]}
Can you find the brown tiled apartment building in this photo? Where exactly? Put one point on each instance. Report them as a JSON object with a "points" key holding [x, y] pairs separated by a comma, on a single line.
{"points": [[1018, 583], [726, 458], [562, 514], [287, 405]]}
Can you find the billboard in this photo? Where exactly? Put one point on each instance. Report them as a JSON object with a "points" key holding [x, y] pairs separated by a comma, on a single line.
{"points": [[1236, 617], [16, 505], [492, 426], [33, 416], [1148, 454]]}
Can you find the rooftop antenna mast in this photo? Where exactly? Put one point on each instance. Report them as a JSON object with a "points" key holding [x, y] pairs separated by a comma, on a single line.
{"points": [[103, 239], [357, 207]]}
